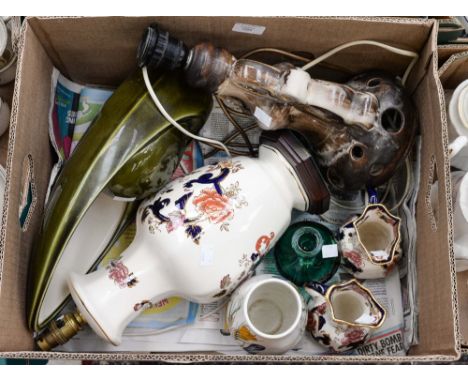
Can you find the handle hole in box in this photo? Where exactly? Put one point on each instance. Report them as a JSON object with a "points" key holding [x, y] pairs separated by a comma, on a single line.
{"points": [[28, 197], [432, 196]]}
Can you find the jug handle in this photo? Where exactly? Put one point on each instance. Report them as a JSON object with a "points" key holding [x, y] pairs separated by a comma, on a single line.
{"points": [[317, 291]]}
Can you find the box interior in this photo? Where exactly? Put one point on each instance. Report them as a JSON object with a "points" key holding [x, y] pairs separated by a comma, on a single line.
{"points": [[445, 51], [453, 73], [102, 51]]}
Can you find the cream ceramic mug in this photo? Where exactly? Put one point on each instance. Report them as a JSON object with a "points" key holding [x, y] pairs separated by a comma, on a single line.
{"points": [[267, 315]]}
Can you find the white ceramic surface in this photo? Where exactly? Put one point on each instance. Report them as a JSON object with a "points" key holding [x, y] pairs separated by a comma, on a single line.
{"points": [[370, 244], [457, 102], [460, 217], [83, 250], [198, 238], [343, 316], [460, 204], [267, 315], [3, 37], [4, 116], [8, 59]]}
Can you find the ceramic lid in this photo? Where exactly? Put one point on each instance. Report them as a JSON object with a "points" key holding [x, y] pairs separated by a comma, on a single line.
{"points": [[303, 164]]}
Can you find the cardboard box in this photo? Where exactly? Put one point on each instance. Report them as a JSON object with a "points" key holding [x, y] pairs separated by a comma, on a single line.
{"points": [[452, 73], [102, 51], [446, 51]]}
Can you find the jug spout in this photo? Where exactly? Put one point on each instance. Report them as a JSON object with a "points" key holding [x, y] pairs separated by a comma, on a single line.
{"points": [[317, 291]]}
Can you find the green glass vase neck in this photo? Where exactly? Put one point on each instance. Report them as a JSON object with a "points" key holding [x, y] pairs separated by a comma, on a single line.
{"points": [[307, 242], [299, 253]]}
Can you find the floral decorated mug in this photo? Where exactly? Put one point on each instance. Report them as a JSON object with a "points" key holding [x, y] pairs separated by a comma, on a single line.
{"points": [[343, 316], [266, 315], [370, 243]]}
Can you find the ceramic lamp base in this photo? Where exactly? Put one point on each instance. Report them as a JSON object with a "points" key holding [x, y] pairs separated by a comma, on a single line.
{"points": [[89, 314]]}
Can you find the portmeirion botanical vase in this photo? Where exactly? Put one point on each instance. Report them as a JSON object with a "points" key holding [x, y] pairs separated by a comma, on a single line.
{"points": [[370, 244], [343, 316], [267, 315], [202, 235]]}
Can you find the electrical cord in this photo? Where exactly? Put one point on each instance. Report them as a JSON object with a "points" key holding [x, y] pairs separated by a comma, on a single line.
{"points": [[402, 52], [294, 56], [175, 123], [234, 145], [276, 51], [236, 125]]}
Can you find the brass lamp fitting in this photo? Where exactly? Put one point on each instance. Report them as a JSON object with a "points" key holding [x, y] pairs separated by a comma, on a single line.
{"points": [[60, 330]]}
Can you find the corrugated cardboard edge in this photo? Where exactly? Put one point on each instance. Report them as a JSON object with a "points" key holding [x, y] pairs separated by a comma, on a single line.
{"points": [[446, 51], [443, 69], [448, 196], [391, 20], [448, 191], [11, 143], [449, 62], [213, 358]]}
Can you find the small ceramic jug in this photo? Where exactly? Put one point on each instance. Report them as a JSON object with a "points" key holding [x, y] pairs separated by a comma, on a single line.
{"points": [[266, 315], [203, 234], [343, 316], [370, 243]]}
